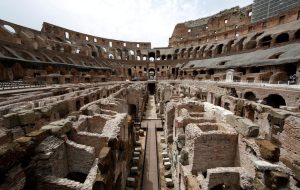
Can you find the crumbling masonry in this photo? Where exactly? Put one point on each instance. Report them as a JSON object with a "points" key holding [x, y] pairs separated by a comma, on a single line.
{"points": [[224, 99]]}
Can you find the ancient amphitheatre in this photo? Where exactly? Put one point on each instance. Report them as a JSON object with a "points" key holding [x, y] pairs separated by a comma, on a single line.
{"points": [[219, 108]]}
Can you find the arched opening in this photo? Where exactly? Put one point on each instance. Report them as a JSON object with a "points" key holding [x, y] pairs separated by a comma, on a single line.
{"points": [[169, 57], [220, 49], [250, 96], [132, 111], [195, 73], [190, 52], [140, 73], [151, 88], [9, 29], [151, 56], [211, 72], [94, 54], [297, 34], [78, 105], [228, 46], [163, 57], [111, 56], [18, 71], [274, 100], [291, 70], [86, 100], [76, 176], [266, 41], [182, 53], [254, 70], [227, 106], [240, 44], [284, 37], [129, 72], [157, 53]]}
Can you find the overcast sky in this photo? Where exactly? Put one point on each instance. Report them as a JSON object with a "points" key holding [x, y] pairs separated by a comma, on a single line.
{"points": [[130, 20]]}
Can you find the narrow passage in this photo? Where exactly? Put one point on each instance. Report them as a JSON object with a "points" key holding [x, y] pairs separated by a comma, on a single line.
{"points": [[150, 176]]}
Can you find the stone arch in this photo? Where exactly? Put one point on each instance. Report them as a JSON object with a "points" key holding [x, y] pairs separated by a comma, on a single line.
{"points": [[129, 72], [18, 71], [281, 38], [240, 44], [252, 43], [195, 72], [265, 41], [74, 72], [157, 54], [227, 48], [209, 51], [274, 100], [250, 96], [50, 69], [58, 59], [189, 53], [118, 54], [152, 70], [219, 49], [297, 34], [182, 52], [195, 51], [3, 73], [151, 56], [111, 56]]}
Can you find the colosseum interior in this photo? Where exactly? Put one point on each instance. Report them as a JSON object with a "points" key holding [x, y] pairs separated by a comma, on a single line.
{"points": [[219, 108]]}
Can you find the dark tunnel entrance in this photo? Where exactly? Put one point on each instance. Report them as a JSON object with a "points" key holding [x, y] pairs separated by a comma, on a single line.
{"points": [[151, 88]]}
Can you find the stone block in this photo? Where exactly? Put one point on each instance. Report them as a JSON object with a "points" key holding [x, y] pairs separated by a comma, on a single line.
{"points": [[166, 160], [11, 120], [243, 126], [58, 127], [134, 170], [136, 154], [137, 143], [169, 182], [17, 132], [162, 140], [168, 174], [138, 149], [164, 154], [38, 135], [27, 118], [141, 133], [167, 165], [263, 165], [135, 160], [131, 182]]}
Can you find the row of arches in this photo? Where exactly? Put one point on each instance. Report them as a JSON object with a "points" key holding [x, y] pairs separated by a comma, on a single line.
{"points": [[273, 100], [236, 45]]}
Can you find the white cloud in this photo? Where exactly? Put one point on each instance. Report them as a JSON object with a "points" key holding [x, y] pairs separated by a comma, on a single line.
{"points": [[130, 20]]}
